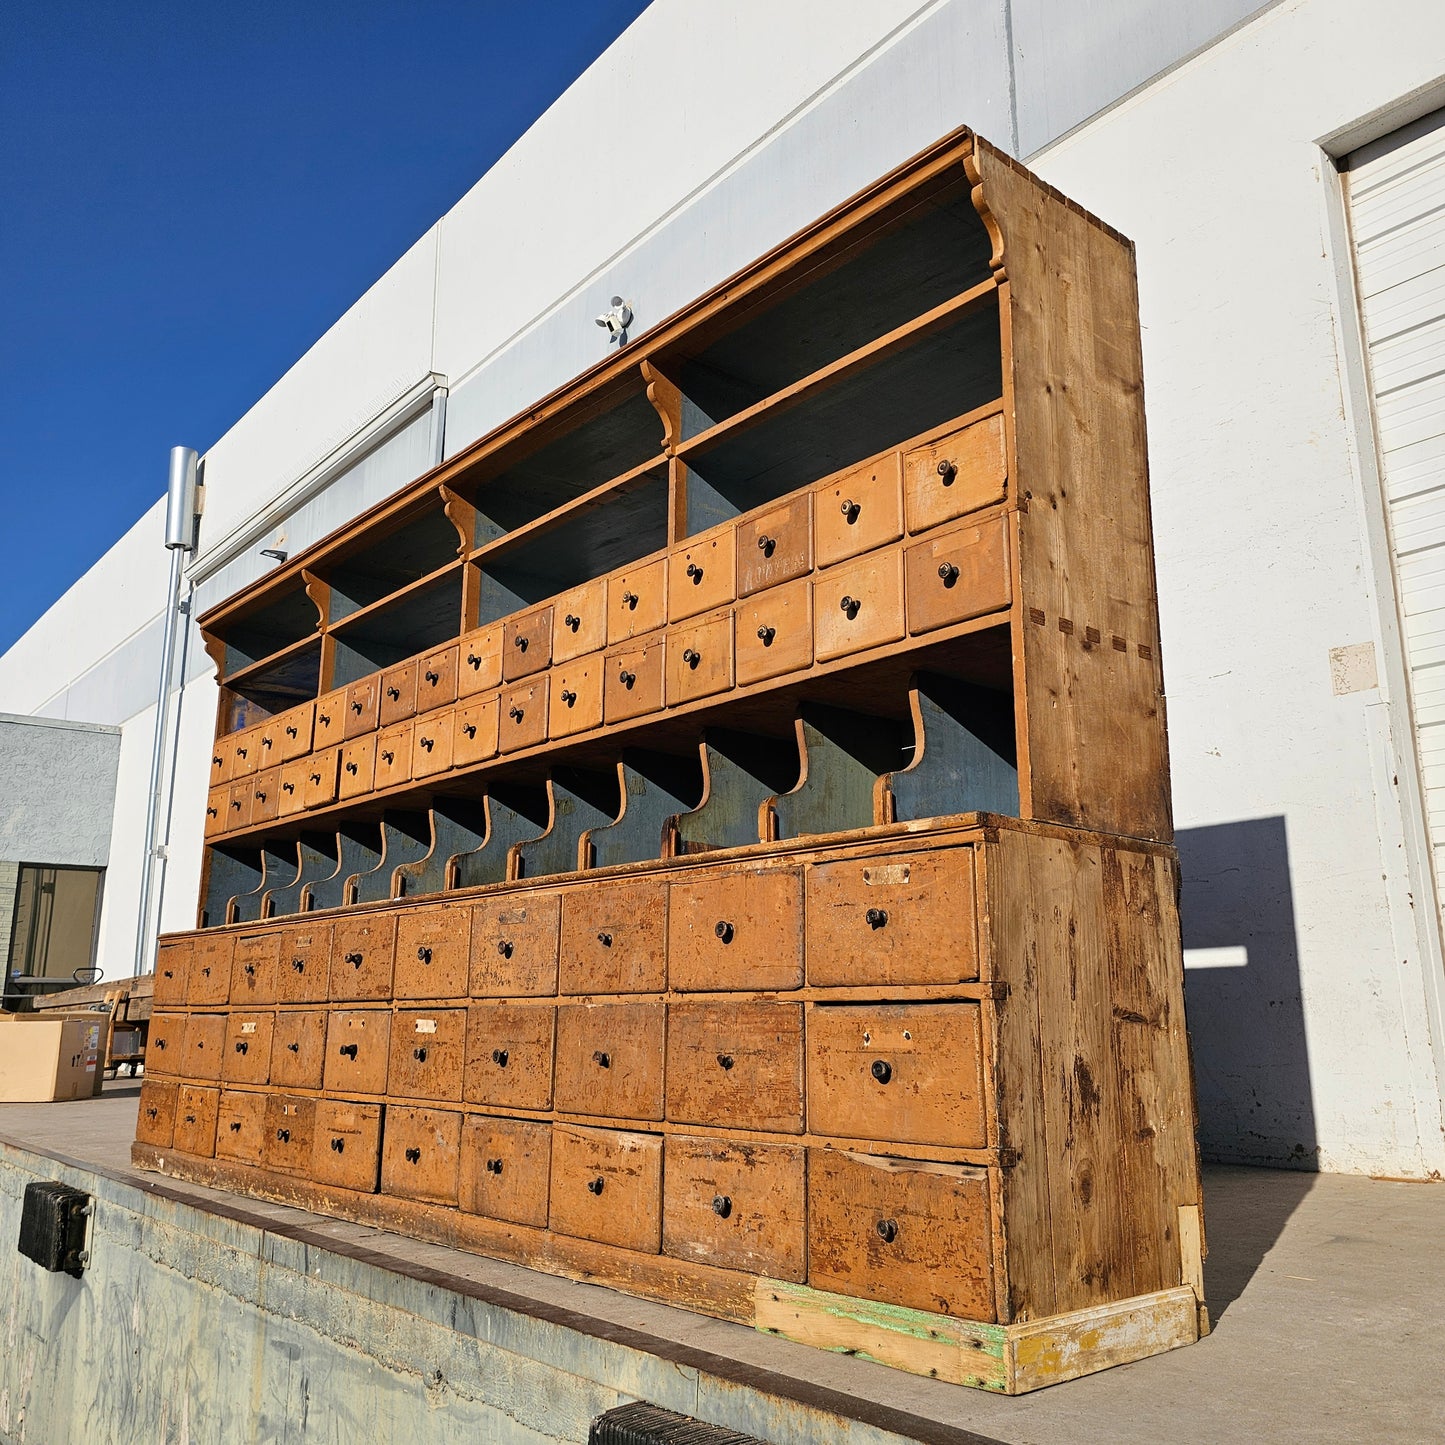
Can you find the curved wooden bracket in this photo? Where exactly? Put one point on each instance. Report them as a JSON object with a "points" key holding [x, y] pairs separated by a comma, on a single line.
{"points": [[463, 516], [980, 204], [320, 594], [666, 399], [215, 650]]}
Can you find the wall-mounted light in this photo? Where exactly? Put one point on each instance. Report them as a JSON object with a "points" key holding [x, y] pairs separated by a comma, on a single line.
{"points": [[616, 321], [276, 554]]}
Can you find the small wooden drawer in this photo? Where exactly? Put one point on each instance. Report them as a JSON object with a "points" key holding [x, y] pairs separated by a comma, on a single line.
{"points": [[908, 1234], [358, 766], [166, 1045], [523, 722], [906, 1073], [245, 752], [700, 660], [509, 1055], [195, 1131], [323, 771], [607, 1186], [858, 511], [218, 807], [632, 680], [421, 1154], [740, 1206], [173, 963], [614, 938], [156, 1121], [736, 930], [428, 1047], [858, 606], [393, 755], [904, 918], [221, 761], [436, 679], [246, 1053], [266, 795], [204, 1048], [332, 715], [506, 1169], [296, 730], [358, 1042], [610, 1059], [514, 945], [292, 788], [431, 743], [636, 600], [956, 474], [576, 696], [253, 968], [479, 660], [209, 983], [776, 546], [702, 575], [304, 963], [398, 694], [579, 621], [298, 1049], [271, 743], [736, 1062], [363, 706], [527, 643], [289, 1131], [240, 797], [241, 1127], [958, 574], [775, 632], [432, 946], [346, 1145], [476, 731], [363, 953]]}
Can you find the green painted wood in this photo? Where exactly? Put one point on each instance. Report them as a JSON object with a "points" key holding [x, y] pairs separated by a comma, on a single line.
{"points": [[320, 858], [405, 838], [581, 801], [845, 753], [514, 814], [458, 825], [656, 787], [742, 771], [358, 851]]}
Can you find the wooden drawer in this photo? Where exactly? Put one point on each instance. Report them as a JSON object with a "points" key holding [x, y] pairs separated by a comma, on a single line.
{"points": [[523, 722], [858, 606], [239, 798], [614, 938], [436, 679], [332, 715], [297, 727], [218, 803], [509, 1055], [607, 1186], [775, 632], [958, 473], [346, 1145], [579, 624], [901, 919], [736, 930], [476, 731], [363, 954], [909, 1234], [298, 1049], [266, 795], [431, 745], [739, 1063], [241, 1127], [358, 766], [514, 945], [576, 697], [304, 963], [479, 664], [221, 761], [906, 1073], [636, 601], [432, 948], [289, 1131], [393, 755], [209, 983], [632, 680], [958, 574], [293, 787], [858, 511], [203, 1049], [740, 1206], [156, 1121], [527, 643], [363, 706], [166, 1044], [245, 749], [358, 1042], [702, 575], [270, 743], [700, 660], [398, 694], [506, 1169], [775, 546], [610, 1059], [253, 969], [323, 772], [428, 1047], [195, 1131], [420, 1154], [246, 1053], [173, 963]]}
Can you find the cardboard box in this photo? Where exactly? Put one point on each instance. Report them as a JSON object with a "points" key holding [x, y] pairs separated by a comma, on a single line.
{"points": [[43, 1057]]}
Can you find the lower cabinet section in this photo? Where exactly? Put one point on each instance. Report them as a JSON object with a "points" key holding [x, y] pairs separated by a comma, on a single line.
{"points": [[607, 1186], [421, 1154]]}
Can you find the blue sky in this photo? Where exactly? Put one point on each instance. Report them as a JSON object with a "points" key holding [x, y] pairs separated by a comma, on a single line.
{"points": [[191, 193]]}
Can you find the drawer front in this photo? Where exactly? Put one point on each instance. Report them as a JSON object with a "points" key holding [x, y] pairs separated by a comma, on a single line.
{"points": [[775, 633], [221, 761], [323, 772], [195, 1131], [166, 1045], [514, 945], [775, 547], [398, 694], [363, 952], [241, 1127], [393, 755], [736, 930], [266, 795], [210, 973], [915, 1235], [205, 1041], [907, 1073], [218, 805], [527, 643], [245, 753], [432, 947], [702, 575], [173, 964], [523, 722], [289, 1130], [700, 660], [363, 706], [358, 1042], [431, 746], [297, 727], [579, 621], [607, 1186], [739, 1063], [740, 1206], [358, 766], [270, 743], [956, 474], [346, 1145], [609, 1059], [903, 919], [436, 679], [246, 1053], [858, 511], [509, 1055], [476, 731], [239, 798], [614, 938], [428, 1047], [636, 601], [958, 574], [155, 1124], [253, 968], [479, 660], [576, 696], [298, 1049], [420, 1154], [632, 680], [506, 1169], [332, 715], [304, 963], [858, 606], [293, 787]]}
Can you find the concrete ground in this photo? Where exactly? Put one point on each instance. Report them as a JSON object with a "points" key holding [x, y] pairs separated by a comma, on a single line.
{"points": [[1327, 1294]]}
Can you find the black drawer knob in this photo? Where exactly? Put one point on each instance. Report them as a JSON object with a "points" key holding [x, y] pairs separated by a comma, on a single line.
{"points": [[948, 572], [236, 804], [722, 1206], [494, 1166], [849, 605], [387, 756], [288, 787], [724, 1062], [293, 1048], [724, 930], [235, 1126], [887, 1230], [315, 777], [601, 1059], [215, 762], [568, 696], [499, 1058], [211, 813], [881, 1070], [766, 544], [152, 1112], [695, 572], [520, 643], [630, 601], [240, 752], [356, 707], [394, 693], [850, 510], [284, 1135], [470, 729], [338, 1146], [766, 635], [260, 795], [876, 918], [594, 1186], [572, 621], [419, 1054], [290, 732], [241, 1046], [266, 742], [347, 1051], [206, 971], [691, 656], [190, 1119], [504, 947], [947, 471], [354, 959], [324, 718], [433, 678], [605, 939], [626, 678], [423, 954], [160, 1043], [473, 661], [515, 713], [413, 1156], [428, 743], [352, 768], [299, 964], [250, 970]]}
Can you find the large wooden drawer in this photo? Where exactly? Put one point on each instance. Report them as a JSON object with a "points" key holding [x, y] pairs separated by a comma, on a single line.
{"points": [[527, 643], [614, 938], [166, 1045], [523, 722], [737, 930], [579, 621], [218, 804], [955, 474], [632, 679], [363, 707], [428, 1048], [173, 963], [221, 763], [195, 1131], [421, 1154], [323, 773], [506, 1169], [610, 1059], [739, 1064], [156, 1121], [246, 1054], [398, 694], [509, 1055], [775, 546], [636, 600], [514, 945], [576, 696], [480, 660], [358, 767], [266, 795], [858, 511], [304, 965], [205, 1042], [607, 1186], [432, 743], [296, 728], [909, 1234], [358, 1042], [700, 659], [290, 1129], [363, 954], [245, 749], [393, 754], [702, 575], [331, 716], [957, 575], [436, 679], [239, 797], [858, 606], [346, 1145], [293, 787], [298, 1049], [432, 948], [775, 632], [253, 969], [209, 982], [241, 1127], [476, 731]]}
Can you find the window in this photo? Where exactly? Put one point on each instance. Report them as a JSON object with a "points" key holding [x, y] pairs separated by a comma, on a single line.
{"points": [[57, 911]]}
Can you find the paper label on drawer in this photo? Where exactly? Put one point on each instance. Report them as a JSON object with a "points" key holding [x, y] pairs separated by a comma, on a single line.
{"points": [[887, 873], [426, 1026], [248, 1028]]}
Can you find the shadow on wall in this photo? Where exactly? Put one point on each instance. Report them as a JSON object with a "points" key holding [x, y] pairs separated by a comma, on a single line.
{"points": [[1242, 996]]}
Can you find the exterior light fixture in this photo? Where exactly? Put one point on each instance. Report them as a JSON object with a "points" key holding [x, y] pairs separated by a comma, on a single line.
{"points": [[616, 321]]}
